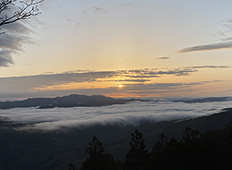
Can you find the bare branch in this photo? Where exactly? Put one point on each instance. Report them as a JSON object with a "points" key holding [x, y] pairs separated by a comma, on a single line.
{"points": [[23, 10]]}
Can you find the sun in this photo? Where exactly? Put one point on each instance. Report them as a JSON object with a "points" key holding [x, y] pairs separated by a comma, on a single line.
{"points": [[120, 85]]}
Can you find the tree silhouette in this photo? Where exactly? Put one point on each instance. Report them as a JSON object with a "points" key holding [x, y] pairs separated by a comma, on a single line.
{"points": [[15, 10], [137, 158], [97, 160], [95, 147], [71, 166]]}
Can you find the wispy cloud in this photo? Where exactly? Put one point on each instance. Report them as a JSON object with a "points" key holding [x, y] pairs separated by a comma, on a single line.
{"points": [[163, 58], [211, 66], [125, 5], [208, 47], [163, 87], [100, 10], [225, 38], [166, 57]]}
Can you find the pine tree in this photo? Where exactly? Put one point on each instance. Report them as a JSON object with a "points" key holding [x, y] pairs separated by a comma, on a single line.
{"points": [[97, 160], [137, 158]]}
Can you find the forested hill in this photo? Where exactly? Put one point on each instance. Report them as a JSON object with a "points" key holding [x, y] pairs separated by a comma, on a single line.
{"points": [[73, 100], [54, 150]]}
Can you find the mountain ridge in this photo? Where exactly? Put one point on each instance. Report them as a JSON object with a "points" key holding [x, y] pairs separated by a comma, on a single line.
{"points": [[73, 100]]}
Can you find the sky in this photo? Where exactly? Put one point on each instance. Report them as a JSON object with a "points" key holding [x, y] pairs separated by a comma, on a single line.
{"points": [[123, 48]]}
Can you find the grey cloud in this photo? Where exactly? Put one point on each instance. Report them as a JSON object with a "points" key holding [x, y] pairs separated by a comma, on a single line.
{"points": [[228, 23], [228, 39], [12, 38], [137, 75], [26, 86], [163, 58], [211, 67], [227, 26], [177, 72], [133, 80], [157, 73], [5, 58], [51, 79], [8, 41], [12, 41], [163, 87], [155, 86], [216, 46], [100, 10], [125, 5], [142, 76], [202, 82], [28, 83], [76, 23], [16, 27]]}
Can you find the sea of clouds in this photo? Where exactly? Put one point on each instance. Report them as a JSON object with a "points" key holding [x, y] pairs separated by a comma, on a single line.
{"points": [[132, 113]]}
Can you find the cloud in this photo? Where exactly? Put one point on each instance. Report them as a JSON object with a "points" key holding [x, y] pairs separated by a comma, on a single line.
{"points": [[12, 42], [92, 82], [164, 86], [208, 47], [165, 89], [227, 39], [166, 57], [163, 58], [12, 38], [211, 67], [226, 28], [5, 58], [133, 80], [145, 73], [100, 10], [16, 27], [76, 23], [225, 36], [124, 114], [125, 5]]}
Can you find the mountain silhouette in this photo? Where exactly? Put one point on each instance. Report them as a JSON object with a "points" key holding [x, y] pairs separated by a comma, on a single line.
{"points": [[73, 100]]}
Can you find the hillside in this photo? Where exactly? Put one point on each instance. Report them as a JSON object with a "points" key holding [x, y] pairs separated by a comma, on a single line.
{"points": [[55, 149]]}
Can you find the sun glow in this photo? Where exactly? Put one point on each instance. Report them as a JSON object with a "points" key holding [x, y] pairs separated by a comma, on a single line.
{"points": [[120, 86]]}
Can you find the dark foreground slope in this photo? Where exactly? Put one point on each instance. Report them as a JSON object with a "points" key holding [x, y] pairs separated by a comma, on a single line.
{"points": [[55, 149], [73, 100]]}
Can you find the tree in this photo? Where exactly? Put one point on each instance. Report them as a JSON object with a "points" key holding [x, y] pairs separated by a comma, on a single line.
{"points": [[97, 160], [15, 10], [190, 135], [71, 166], [95, 147], [137, 158]]}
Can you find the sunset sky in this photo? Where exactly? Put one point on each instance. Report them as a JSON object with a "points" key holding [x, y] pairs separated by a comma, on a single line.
{"points": [[151, 48]]}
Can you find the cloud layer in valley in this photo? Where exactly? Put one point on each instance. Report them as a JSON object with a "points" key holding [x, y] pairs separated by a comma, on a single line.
{"points": [[126, 114]]}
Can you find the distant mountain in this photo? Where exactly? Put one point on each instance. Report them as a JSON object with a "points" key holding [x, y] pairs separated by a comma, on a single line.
{"points": [[73, 100], [203, 100]]}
